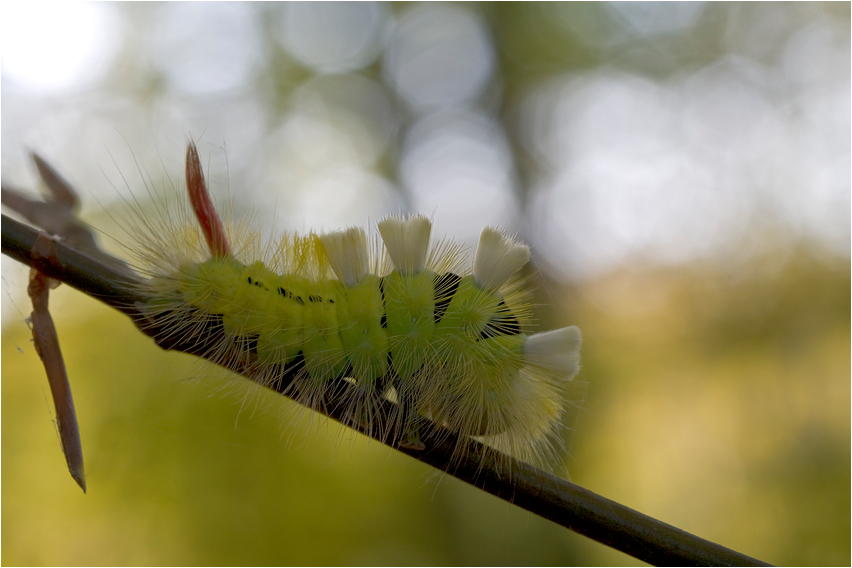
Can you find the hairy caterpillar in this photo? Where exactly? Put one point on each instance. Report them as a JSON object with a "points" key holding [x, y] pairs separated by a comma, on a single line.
{"points": [[335, 317]]}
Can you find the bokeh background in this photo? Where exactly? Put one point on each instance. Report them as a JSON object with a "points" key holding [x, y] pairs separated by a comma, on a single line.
{"points": [[681, 170]]}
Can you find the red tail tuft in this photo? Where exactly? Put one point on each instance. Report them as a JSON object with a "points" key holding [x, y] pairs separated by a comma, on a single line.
{"points": [[206, 214]]}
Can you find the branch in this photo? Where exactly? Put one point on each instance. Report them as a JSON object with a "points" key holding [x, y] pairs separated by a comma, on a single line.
{"points": [[527, 487]]}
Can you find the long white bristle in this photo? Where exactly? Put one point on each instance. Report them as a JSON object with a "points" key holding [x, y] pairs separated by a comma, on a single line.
{"points": [[407, 241], [347, 254], [557, 351], [497, 258]]}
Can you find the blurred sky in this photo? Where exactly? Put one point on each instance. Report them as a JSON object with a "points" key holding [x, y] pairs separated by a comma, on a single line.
{"points": [[705, 130], [608, 135]]}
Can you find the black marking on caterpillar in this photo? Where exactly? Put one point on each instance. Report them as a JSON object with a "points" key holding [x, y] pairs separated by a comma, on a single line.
{"points": [[327, 322]]}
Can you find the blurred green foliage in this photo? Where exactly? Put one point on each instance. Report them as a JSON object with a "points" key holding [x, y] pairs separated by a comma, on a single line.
{"points": [[729, 422], [721, 404], [181, 474]]}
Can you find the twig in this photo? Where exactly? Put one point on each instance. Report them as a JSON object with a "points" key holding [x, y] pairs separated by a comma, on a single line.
{"points": [[47, 346], [57, 215], [530, 488]]}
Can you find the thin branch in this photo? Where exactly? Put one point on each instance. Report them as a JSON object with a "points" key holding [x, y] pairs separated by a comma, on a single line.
{"points": [[56, 213], [46, 342], [527, 487]]}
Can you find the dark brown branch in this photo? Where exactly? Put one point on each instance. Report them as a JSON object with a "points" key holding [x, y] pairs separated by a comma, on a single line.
{"points": [[527, 487], [46, 341], [55, 214]]}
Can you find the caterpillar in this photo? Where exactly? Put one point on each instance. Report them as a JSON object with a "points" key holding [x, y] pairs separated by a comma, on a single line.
{"points": [[337, 316]]}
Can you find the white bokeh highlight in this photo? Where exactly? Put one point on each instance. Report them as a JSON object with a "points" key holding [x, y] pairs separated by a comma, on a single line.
{"points": [[206, 49], [703, 166], [439, 54], [457, 167], [56, 46], [333, 37]]}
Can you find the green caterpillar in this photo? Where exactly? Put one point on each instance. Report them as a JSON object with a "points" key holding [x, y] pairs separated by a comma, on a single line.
{"points": [[409, 324]]}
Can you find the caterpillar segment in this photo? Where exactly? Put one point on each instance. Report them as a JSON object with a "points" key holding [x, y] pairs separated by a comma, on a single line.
{"points": [[404, 323]]}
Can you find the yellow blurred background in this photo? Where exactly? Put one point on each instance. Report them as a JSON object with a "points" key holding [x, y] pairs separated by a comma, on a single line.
{"points": [[681, 170]]}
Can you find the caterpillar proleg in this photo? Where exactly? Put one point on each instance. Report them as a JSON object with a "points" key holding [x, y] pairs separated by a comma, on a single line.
{"points": [[337, 318]]}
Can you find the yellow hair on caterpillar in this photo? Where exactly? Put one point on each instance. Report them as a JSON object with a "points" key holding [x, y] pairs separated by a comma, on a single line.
{"points": [[409, 322]]}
